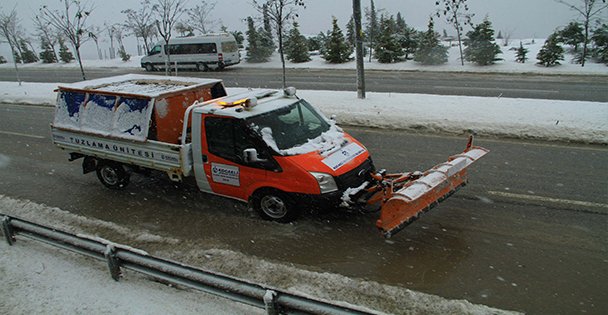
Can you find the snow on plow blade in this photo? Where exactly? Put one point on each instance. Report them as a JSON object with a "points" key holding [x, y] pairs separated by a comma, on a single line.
{"points": [[435, 185]]}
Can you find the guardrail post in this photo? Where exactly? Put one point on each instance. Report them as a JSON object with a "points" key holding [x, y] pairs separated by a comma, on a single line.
{"points": [[270, 303], [113, 262], [7, 229]]}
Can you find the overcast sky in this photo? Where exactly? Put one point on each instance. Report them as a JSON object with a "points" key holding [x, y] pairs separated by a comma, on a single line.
{"points": [[520, 18]]}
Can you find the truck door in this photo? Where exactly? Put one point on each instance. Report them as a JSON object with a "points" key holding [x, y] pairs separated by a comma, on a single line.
{"points": [[224, 140]]}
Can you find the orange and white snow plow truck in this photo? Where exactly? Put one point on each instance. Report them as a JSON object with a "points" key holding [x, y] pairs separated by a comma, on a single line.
{"points": [[265, 147]]}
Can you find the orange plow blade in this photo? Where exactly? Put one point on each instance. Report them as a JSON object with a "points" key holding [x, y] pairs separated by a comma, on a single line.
{"points": [[405, 205]]}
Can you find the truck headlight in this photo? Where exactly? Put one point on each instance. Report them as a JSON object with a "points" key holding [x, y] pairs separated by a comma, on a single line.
{"points": [[326, 182]]}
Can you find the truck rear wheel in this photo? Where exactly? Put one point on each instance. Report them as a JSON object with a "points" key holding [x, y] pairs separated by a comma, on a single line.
{"points": [[112, 175], [275, 205]]}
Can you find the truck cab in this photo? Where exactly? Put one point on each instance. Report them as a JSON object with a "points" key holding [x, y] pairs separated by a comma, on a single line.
{"points": [[275, 151]]}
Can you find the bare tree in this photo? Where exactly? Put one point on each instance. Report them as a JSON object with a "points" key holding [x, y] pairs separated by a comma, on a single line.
{"points": [[47, 33], [455, 12], [10, 31], [71, 22], [95, 33], [140, 22], [279, 12], [111, 29], [198, 17], [588, 11], [167, 13]]}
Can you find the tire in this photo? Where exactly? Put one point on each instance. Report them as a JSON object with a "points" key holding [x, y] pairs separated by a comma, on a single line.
{"points": [[113, 175], [274, 205], [202, 67], [149, 67]]}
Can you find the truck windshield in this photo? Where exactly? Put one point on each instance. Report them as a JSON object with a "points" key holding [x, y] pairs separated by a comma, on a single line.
{"points": [[290, 126]]}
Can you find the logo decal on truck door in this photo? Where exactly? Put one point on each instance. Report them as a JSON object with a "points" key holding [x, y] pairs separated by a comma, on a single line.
{"points": [[225, 174]]}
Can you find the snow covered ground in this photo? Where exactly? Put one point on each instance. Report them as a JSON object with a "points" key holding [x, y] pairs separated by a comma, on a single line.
{"points": [[488, 116], [38, 278], [507, 65]]}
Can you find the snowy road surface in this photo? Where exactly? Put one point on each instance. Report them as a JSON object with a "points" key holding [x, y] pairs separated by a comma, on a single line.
{"points": [[527, 234]]}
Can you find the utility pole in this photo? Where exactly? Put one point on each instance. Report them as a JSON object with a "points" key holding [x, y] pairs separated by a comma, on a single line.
{"points": [[359, 49]]}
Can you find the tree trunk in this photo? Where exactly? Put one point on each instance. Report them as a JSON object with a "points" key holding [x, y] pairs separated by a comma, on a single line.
{"points": [[359, 49], [280, 30], [80, 62], [457, 26], [15, 62], [585, 43]]}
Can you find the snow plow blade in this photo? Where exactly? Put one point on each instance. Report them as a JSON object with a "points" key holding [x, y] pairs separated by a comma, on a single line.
{"points": [[403, 206]]}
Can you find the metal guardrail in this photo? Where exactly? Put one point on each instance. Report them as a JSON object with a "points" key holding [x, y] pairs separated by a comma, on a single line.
{"points": [[119, 256]]}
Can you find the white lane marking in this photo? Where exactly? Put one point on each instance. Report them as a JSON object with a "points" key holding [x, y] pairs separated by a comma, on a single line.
{"points": [[21, 134], [548, 199]]}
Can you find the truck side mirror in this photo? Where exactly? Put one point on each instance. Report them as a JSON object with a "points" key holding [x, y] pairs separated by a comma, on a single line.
{"points": [[251, 156]]}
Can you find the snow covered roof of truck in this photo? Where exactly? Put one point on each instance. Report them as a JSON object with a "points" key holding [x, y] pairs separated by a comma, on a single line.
{"points": [[138, 84], [234, 105]]}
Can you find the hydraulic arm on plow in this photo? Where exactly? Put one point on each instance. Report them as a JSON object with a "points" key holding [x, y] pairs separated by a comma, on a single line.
{"points": [[404, 196]]}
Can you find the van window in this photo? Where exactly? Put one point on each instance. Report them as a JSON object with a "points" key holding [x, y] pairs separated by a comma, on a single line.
{"points": [[155, 50], [229, 47], [192, 49]]}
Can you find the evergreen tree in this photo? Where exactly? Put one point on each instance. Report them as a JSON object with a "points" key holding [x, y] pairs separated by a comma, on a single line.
{"points": [[600, 39], [336, 49], [521, 54], [406, 36], [296, 47], [123, 53], [388, 48], [372, 26], [429, 50], [481, 48], [27, 55], [400, 22], [551, 53], [572, 35], [64, 53], [47, 55], [17, 57], [256, 51], [266, 43], [350, 33], [316, 42]]}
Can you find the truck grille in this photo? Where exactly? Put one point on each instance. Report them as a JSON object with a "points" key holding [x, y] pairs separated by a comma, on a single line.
{"points": [[357, 176]]}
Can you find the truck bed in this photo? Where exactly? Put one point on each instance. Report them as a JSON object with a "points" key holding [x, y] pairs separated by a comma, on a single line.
{"points": [[171, 158]]}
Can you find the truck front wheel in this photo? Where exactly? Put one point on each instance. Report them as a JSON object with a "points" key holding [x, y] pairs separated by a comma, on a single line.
{"points": [[112, 175], [275, 205]]}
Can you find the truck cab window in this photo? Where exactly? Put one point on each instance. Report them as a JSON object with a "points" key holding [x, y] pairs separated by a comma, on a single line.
{"points": [[226, 138]]}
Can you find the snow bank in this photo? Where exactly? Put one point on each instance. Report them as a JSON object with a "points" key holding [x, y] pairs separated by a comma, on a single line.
{"points": [[39, 280], [506, 65], [494, 116]]}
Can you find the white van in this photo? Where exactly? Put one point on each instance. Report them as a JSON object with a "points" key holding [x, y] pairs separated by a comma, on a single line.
{"points": [[210, 51]]}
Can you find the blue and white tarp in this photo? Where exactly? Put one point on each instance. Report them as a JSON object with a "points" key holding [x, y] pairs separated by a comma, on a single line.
{"points": [[104, 114]]}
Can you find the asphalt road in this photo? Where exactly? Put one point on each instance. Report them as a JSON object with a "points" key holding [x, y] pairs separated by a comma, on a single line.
{"points": [[528, 233], [557, 87]]}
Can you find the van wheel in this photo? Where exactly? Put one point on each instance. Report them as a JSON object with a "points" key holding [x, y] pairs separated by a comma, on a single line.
{"points": [[149, 67], [202, 67], [274, 205], [113, 175]]}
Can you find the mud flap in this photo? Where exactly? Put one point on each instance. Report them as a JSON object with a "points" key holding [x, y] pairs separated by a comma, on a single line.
{"points": [[418, 196]]}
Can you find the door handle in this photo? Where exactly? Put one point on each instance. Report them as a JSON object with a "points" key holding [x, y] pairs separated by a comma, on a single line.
{"points": [[205, 159]]}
